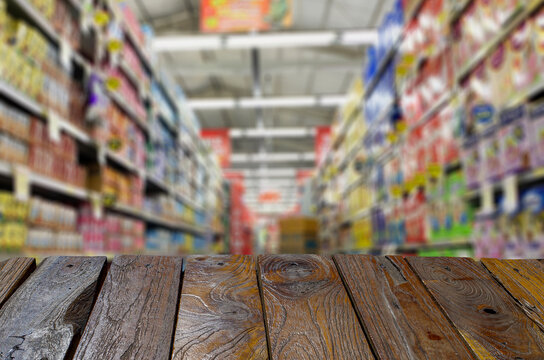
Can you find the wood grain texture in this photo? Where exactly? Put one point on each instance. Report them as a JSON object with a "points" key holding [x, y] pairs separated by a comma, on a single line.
{"points": [[308, 311], [134, 315], [220, 312], [400, 317], [484, 314], [41, 319], [12, 273], [524, 280]]}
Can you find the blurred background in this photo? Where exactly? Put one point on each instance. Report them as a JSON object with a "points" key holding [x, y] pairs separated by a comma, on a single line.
{"points": [[272, 126]]}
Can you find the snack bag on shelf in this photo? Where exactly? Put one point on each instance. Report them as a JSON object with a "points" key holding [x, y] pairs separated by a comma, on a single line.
{"points": [[492, 162], [538, 41], [523, 58], [515, 140], [500, 76], [533, 222], [487, 237], [511, 228]]}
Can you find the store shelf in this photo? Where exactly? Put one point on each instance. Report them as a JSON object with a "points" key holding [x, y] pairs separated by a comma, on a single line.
{"points": [[458, 9], [134, 79], [518, 16], [157, 183], [33, 107], [167, 122], [142, 123], [360, 215], [122, 162], [59, 187], [346, 126], [391, 53], [13, 94], [45, 26], [150, 218], [44, 182]]}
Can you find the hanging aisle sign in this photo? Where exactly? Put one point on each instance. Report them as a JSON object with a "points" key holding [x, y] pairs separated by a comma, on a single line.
{"points": [[220, 16], [219, 141], [323, 142]]}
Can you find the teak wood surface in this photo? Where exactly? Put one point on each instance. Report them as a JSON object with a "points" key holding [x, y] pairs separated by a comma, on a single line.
{"points": [[271, 307]]}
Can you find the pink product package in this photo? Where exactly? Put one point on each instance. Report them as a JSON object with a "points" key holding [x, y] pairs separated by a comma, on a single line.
{"points": [[514, 138], [536, 125], [487, 238], [490, 153]]}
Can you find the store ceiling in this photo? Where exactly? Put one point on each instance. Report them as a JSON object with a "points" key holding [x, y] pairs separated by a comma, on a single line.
{"points": [[285, 71]]}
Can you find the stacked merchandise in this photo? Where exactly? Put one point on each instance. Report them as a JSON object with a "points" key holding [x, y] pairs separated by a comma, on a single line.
{"points": [[13, 227], [451, 154], [14, 134], [240, 237], [77, 117], [298, 235], [112, 233], [118, 187], [53, 226], [55, 159]]}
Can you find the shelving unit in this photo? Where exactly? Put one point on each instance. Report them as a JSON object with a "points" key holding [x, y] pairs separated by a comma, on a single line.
{"points": [[385, 143], [100, 155]]}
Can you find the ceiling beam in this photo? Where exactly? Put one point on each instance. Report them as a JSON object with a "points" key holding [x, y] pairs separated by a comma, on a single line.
{"points": [[299, 39], [273, 68]]}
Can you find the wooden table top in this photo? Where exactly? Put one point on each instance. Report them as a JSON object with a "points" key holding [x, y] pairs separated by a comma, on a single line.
{"points": [[271, 307]]}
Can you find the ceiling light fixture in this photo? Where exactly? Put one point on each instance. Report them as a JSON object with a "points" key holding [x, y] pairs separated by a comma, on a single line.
{"points": [[273, 133], [267, 103], [187, 43], [171, 43]]}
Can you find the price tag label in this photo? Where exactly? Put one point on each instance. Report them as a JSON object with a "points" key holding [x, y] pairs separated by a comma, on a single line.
{"points": [[401, 127], [109, 200], [115, 45], [511, 193], [101, 155], [113, 83], [101, 18], [419, 180], [488, 200], [115, 144], [65, 50], [53, 126], [434, 171], [392, 137], [96, 204], [22, 182], [396, 190]]}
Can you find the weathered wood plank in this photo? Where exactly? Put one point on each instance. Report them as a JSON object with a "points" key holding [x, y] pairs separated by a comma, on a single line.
{"points": [[41, 319], [12, 274], [220, 312], [308, 311], [484, 314], [134, 315], [401, 319], [524, 280]]}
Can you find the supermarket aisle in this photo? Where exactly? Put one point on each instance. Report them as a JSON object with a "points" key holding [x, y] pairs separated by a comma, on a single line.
{"points": [[167, 127]]}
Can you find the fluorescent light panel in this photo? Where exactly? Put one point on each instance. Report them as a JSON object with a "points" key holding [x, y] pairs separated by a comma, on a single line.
{"points": [[265, 40], [274, 172], [268, 103], [272, 157], [272, 133]]}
